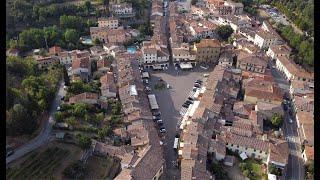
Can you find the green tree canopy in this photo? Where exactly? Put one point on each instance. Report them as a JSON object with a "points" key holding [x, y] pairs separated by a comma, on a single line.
{"points": [[276, 120], [224, 32]]}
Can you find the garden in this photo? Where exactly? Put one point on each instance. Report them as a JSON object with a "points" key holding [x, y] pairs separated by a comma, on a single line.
{"points": [[252, 169], [39, 165]]}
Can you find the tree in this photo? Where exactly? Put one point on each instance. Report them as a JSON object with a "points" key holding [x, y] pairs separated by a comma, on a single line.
{"points": [[276, 120], [84, 141], [99, 117], [224, 32], [96, 41], [76, 170], [20, 121], [71, 36], [58, 116], [79, 109], [65, 76], [310, 167]]}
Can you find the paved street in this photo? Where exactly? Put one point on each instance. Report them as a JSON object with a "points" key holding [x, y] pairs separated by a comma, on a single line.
{"points": [[45, 132], [295, 168], [295, 165], [170, 102]]}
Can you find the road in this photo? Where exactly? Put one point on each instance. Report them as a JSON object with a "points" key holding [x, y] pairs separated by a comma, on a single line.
{"points": [[170, 102], [45, 132], [295, 168]]}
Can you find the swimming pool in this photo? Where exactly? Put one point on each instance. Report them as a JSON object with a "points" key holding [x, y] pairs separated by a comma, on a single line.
{"points": [[132, 49], [86, 41]]}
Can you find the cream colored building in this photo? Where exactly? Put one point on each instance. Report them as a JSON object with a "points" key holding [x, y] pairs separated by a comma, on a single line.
{"points": [[111, 23], [208, 51]]}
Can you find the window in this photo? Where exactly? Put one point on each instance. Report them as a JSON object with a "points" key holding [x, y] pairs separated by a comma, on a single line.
{"points": [[254, 150], [260, 152], [238, 146], [231, 145]]}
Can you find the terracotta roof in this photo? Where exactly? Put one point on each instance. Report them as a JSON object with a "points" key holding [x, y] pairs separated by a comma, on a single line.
{"points": [[213, 43], [279, 152], [149, 165], [305, 117], [308, 130], [83, 96], [281, 49], [309, 151], [249, 142], [294, 69], [81, 63]]}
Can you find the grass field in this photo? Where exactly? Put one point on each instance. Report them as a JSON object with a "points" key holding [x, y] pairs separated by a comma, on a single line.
{"points": [[39, 165]]}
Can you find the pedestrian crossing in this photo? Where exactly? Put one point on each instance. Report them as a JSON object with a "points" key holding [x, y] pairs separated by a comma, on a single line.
{"points": [[183, 111], [290, 139]]}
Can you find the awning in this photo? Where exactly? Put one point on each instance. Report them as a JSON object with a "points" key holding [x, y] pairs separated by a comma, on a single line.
{"points": [[243, 156], [185, 65], [145, 75], [272, 177], [153, 102]]}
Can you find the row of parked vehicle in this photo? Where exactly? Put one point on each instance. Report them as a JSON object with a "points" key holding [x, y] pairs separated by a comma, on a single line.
{"points": [[156, 115], [157, 119], [197, 85]]}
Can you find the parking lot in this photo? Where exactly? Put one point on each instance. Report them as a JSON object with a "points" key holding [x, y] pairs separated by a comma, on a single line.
{"points": [[170, 103]]}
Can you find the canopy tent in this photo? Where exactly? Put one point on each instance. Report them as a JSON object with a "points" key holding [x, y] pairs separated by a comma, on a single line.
{"points": [[243, 156], [153, 102], [185, 65]]}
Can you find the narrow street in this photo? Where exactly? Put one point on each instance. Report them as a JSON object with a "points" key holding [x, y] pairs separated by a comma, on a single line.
{"points": [[295, 168], [44, 133]]}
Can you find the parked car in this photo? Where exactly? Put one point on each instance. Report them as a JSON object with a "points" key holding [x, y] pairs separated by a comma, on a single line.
{"points": [[157, 113], [189, 102], [162, 130], [156, 117], [198, 81], [159, 121], [206, 75], [190, 98], [197, 85], [9, 151], [290, 121], [185, 105], [194, 89], [58, 108]]}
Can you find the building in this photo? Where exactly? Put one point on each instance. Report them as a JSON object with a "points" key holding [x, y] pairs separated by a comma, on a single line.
{"points": [[111, 22], [184, 5], [257, 90], [292, 71], [226, 59], [107, 35], [184, 54], [87, 98], [308, 154], [305, 122], [44, 62], [108, 87], [265, 39], [81, 69], [154, 56], [252, 63], [122, 9], [12, 52], [208, 51], [237, 8], [55, 50], [276, 51], [278, 154], [252, 147]]}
